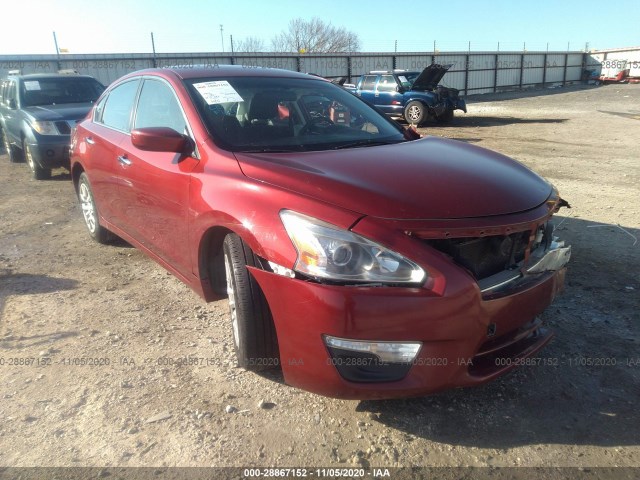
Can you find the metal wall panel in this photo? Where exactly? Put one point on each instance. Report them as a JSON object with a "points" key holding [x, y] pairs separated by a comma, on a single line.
{"points": [[284, 62], [361, 64], [454, 80], [555, 60], [508, 77], [555, 74], [532, 76], [413, 62], [329, 67], [574, 74], [480, 80], [481, 62], [574, 60], [457, 61], [533, 60], [509, 61]]}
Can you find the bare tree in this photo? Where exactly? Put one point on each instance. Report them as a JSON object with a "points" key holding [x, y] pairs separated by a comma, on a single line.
{"points": [[250, 44], [313, 36]]}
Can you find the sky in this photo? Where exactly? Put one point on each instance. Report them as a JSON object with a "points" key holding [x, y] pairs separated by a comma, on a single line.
{"points": [[121, 26]]}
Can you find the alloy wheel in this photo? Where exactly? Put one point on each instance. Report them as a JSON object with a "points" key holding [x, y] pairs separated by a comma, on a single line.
{"points": [[232, 300], [88, 210]]}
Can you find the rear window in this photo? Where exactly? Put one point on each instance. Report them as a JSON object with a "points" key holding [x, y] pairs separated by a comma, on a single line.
{"points": [[56, 91]]}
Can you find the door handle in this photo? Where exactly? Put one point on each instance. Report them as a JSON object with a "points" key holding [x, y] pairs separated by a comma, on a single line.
{"points": [[124, 160], [89, 140]]}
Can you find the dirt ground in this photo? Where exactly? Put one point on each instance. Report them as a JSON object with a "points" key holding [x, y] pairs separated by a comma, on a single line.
{"points": [[64, 298]]}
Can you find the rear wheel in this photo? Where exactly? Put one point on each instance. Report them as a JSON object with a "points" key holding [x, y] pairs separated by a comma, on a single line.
{"points": [[254, 334], [38, 172], [12, 152], [415, 113], [90, 211]]}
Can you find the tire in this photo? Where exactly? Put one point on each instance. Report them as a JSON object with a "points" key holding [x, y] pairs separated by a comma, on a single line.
{"points": [[415, 113], [254, 334], [90, 211], [12, 151], [446, 117], [37, 171]]}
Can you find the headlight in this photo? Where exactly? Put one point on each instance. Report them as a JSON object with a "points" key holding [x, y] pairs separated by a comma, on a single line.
{"points": [[45, 128], [326, 251]]}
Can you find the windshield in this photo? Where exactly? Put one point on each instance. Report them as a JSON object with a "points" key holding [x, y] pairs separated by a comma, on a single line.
{"points": [[287, 114], [407, 79], [59, 90]]}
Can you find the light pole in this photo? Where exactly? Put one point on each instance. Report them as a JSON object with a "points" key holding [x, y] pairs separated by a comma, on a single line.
{"points": [[222, 37]]}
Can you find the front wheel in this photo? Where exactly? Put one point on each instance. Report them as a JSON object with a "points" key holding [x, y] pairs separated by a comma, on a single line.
{"points": [[254, 334], [90, 211], [415, 113], [37, 171], [11, 150]]}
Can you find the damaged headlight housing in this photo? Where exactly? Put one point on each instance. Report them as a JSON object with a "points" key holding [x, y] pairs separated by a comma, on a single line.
{"points": [[328, 252]]}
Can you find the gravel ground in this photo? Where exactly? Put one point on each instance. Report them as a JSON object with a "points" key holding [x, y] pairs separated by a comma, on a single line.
{"points": [[64, 298]]}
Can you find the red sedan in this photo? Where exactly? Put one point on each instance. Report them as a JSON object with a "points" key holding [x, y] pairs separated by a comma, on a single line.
{"points": [[361, 260]]}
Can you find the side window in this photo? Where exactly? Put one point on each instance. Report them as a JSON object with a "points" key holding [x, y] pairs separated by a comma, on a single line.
{"points": [[368, 82], [118, 106], [10, 92], [387, 83], [158, 107]]}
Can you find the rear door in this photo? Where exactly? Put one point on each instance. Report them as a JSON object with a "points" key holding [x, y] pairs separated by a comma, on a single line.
{"points": [[155, 188], [388, 99], [367, 88]]}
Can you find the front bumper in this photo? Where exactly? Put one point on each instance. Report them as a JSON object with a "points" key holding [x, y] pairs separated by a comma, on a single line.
{"points": [[467, 337], [51, 151]]}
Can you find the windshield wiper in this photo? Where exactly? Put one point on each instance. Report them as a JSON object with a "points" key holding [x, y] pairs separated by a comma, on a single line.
{"points": [[366, 143]]}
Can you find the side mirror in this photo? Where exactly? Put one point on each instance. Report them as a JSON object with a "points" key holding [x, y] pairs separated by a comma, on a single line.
{"points": [[13, 104], [160, 139], [399, 89]]}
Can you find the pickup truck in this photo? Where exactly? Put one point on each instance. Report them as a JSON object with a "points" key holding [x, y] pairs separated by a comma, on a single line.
{"points": [[416, 96], [37, 113]]}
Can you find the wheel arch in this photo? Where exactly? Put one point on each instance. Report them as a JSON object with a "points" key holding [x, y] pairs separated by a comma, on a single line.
{"points": [[76, 170]]}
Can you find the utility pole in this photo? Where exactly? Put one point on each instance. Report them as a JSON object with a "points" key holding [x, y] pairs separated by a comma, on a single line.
{"points": [[153, 49], [222, 37], [55, 41], [396, 47], [231, 38]]}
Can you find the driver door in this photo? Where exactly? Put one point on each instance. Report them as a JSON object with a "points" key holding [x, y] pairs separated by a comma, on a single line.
{"points": [[155, 185]]}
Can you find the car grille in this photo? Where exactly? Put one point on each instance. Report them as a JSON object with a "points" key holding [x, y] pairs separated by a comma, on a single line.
{"points": [[63, 128], [485, 256]]}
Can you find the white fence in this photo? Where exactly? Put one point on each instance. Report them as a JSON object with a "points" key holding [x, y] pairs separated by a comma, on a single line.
{"points": [[471, 72]]}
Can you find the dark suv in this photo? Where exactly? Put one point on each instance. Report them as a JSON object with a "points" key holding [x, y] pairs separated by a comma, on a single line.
{"points": [[37, 113], [416, 96]]}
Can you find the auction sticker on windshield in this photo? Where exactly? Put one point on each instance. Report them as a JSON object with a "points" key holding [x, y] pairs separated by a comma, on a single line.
{"points": [[32, 85], [217, 92]]}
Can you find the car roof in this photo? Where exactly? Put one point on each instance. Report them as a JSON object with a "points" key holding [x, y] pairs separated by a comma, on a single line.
{"points": [[201, 71]]}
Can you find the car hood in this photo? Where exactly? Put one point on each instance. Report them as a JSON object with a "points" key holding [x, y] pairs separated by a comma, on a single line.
{"points": [[69, 111], [430, 178], [430, 77]]}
